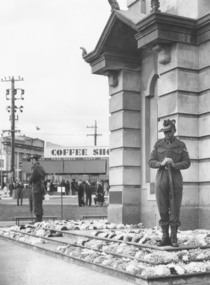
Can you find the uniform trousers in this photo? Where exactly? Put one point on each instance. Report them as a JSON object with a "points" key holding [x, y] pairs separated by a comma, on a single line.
{"points": [[163, 197], [37, 205]]}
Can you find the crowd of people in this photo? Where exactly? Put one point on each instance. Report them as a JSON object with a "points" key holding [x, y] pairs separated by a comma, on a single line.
{"points": [[86, 190], [37, 188], [18, 186]]}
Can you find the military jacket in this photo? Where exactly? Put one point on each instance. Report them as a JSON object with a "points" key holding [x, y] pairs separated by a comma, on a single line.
{"points": [[176, 150], [37, 178]]}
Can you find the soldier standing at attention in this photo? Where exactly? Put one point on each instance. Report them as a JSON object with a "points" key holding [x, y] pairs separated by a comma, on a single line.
{"points": [[169, 156], [38, 187]]}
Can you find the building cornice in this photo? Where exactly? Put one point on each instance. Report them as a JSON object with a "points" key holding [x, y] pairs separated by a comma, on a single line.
{"points": [[203, 29], [160, 28], [114, 61], [116, 51]]}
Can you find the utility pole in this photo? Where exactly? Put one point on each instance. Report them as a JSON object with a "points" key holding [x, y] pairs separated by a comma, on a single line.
{"points": [[12, 108], [95, 133], [1, 159]]}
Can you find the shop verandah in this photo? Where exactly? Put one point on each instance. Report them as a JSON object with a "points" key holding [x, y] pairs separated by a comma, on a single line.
{"points": [[64, 170]]}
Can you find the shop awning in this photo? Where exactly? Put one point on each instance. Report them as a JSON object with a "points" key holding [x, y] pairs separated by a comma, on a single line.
{"points": [[70, 166], [85, 166]]}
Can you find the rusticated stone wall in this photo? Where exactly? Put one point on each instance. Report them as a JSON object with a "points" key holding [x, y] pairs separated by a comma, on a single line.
{"points": [[125, 149]]}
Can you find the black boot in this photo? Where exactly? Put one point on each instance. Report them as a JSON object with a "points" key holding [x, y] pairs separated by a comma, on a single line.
{"points": [[38, 218], [174, 241], [165, 238]]}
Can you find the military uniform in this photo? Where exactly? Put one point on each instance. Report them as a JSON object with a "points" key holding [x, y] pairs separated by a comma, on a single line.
{"points": [[177, 151], [38, 189]]}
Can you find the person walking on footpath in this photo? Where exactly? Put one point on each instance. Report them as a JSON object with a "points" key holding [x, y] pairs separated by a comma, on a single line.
{"points": [[38, 187], [19, 187], [169, 156]]}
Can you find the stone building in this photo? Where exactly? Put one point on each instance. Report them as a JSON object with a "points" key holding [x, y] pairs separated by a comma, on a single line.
{"points": [[25, 147], [156, 55]]}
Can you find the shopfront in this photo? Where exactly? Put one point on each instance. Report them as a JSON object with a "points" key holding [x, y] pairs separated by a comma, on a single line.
{"points": [[73, 164]]}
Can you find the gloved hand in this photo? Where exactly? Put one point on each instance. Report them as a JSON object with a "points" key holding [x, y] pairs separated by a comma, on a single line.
{"points": [[165, 161], [171, 162]]}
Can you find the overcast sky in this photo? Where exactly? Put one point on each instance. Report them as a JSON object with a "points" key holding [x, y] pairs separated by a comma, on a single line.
{"points": [[40, 41]]}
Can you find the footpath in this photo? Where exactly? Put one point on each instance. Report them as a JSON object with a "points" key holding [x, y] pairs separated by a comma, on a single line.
{"points": [[65, 208], [20, 265]]}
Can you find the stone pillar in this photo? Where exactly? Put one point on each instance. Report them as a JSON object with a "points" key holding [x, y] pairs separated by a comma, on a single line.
{"points": [[204, 135], [178, 91], [125, 143]]}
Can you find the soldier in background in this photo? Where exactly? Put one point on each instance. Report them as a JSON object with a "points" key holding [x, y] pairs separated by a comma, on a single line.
{"points": [[38, 187]]}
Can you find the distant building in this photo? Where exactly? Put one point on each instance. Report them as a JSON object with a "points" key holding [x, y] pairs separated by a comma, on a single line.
{"points": [[78, 163], [24, 148]]}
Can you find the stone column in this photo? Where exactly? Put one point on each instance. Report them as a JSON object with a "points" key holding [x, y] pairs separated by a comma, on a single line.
{"points": [[125, 143], [178, 91]]}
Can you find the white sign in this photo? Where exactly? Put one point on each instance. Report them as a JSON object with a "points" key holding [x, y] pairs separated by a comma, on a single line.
{"points": [[76, 152], [61, 189]]}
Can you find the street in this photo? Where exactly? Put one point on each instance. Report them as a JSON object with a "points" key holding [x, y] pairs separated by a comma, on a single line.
{"points": [[9, 209]]}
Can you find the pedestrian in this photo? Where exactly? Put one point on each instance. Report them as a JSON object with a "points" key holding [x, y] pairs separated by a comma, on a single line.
{"points": [[52, 188], [6, 190], [169, 156], [99, 198], [11, 188], [3, 185], [80, 194], [73, 187], [67, 187], [38, 187], [88, 192], [63, 185], [106, 188], [19, 187], [48, 186]]}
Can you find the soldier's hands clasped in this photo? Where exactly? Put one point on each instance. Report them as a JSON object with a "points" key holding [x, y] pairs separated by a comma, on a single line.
{"points": [[166, 161]]}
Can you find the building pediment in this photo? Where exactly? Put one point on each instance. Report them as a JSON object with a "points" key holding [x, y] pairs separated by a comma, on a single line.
{"points": [[117, 46], [125, 37]]}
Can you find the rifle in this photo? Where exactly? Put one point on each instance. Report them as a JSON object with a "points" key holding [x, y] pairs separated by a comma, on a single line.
{"points": [[172, 196]]}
